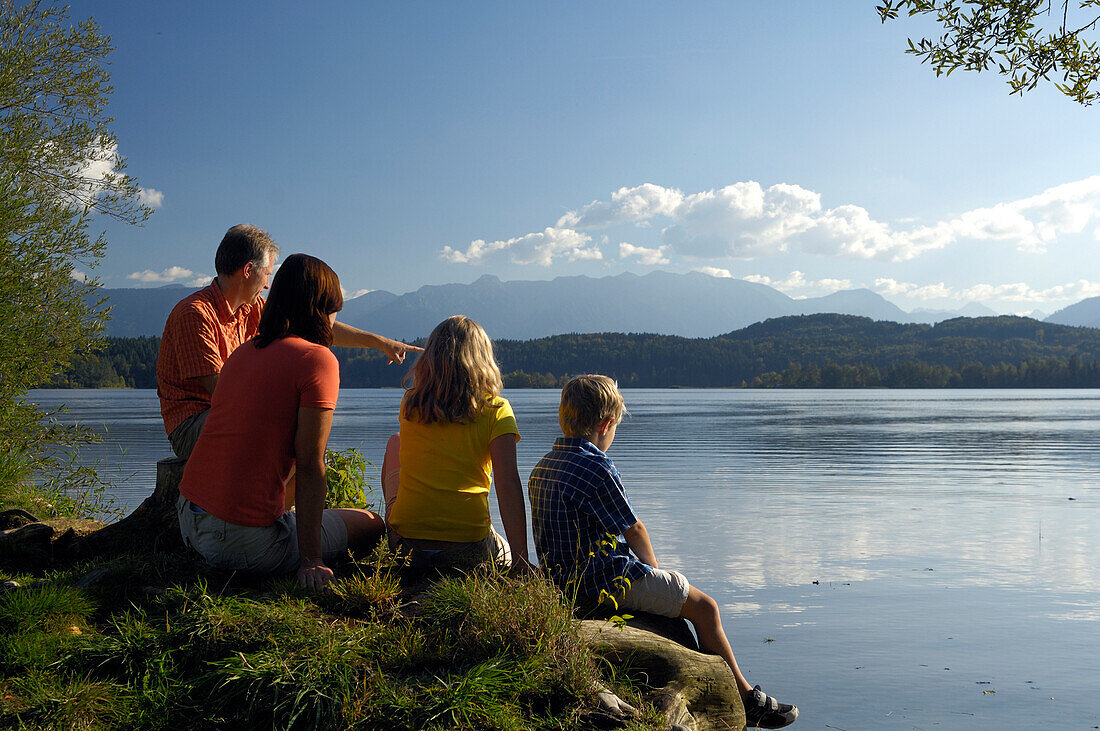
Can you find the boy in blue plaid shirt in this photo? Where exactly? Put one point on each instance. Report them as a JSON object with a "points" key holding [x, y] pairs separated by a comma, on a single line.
{"points": [[579, 508]]}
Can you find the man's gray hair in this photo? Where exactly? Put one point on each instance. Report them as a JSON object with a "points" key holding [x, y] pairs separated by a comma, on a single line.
{"points": [[242, 244]]}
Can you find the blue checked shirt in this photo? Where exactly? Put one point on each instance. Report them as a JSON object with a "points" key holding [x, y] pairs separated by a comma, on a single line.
{"points": [[579, 509]]}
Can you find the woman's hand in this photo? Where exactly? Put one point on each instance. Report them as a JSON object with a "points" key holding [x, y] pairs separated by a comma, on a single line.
{"points": [[316, 576]]}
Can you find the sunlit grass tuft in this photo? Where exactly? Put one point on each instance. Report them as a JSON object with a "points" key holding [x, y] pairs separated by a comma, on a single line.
{"points": [[186, 648]]}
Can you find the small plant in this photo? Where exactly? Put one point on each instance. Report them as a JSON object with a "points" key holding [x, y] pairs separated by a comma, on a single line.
{"points": [[347, 480], [376, 586], [620, 620]]}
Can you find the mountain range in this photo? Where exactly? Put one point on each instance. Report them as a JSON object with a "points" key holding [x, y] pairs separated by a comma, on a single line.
{"points": [[1085, 313], [689, 305]]}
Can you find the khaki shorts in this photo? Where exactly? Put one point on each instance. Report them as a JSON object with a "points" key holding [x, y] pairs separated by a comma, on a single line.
{"points": [[269, 549], [659, 592]]}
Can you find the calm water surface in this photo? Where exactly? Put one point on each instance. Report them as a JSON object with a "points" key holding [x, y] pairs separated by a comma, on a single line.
{"points": [[884, 559]]}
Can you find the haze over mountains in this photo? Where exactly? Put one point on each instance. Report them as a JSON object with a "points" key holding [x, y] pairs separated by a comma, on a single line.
{"points": [[690, 305]]}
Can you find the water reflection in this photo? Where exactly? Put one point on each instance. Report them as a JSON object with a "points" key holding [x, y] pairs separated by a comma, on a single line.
{"points": [[751, 489]]}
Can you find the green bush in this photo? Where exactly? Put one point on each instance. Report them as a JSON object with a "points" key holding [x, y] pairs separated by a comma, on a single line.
{"points": [[347, 480]]}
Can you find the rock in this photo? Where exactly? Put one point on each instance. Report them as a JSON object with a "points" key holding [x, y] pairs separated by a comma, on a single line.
{"points": [[26, 546], [93, 577], [693, 690], [15, 518]]}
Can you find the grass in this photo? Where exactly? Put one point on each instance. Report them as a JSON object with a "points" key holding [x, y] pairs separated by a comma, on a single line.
{"points": [[163, 643]]}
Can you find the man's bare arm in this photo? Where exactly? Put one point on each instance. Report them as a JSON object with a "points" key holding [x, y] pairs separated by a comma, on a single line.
{"points": [[208, 382], [347, 336]]}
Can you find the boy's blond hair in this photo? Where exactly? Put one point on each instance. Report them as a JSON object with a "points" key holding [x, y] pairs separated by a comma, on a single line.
{"points": [[586, 401]]}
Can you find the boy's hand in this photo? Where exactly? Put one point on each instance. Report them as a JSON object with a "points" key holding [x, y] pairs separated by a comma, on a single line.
{"points": [[521, 567]]}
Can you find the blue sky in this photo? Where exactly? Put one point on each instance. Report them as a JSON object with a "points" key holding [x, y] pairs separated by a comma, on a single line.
{"points": [[414, 143]]}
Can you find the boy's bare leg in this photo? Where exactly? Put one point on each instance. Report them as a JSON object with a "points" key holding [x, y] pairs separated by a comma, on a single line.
{"points": [[702, 612], [391, 472]]}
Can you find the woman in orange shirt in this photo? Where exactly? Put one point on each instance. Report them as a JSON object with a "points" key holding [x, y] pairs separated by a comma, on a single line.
{"points": [[269, 420]]}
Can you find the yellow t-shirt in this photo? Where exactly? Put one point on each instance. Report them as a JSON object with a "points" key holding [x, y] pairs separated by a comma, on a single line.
{"points": [[446, 470]]}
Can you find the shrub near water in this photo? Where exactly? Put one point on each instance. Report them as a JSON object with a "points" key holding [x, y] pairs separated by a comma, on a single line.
{"points": [[182, 650]]}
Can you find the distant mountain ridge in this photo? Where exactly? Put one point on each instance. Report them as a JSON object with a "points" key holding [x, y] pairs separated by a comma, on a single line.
{"points": [[1085, 313], [800, 351], [689, 305]]}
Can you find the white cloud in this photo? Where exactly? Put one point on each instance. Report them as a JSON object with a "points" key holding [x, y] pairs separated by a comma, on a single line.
{"points": [[78, 275], [645, 256], [893, 288], [834, 285], [745, 220], [171, 274], [96, 174], [151, 197], [536, 248], [627, 205], [796, 281], [1010, 292], [741, 220], [715, 272], [99, 164], [357, 293]]}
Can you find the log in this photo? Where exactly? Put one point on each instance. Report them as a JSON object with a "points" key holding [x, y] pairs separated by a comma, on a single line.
{"points": [[152, 527], [693, 690]]}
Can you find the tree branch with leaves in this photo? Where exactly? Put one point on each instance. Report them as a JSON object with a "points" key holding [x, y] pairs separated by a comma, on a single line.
{"points": [[59, 170], [1029, 42]]}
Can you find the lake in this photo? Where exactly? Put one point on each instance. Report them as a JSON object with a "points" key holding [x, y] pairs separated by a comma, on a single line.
{"points": [[882, 559]]}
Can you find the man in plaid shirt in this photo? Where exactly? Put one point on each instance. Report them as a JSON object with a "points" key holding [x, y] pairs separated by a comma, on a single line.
{"points": [[579, 508], [207, 326]]}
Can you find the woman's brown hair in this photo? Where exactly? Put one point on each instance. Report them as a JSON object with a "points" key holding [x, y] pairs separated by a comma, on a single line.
{"points": [[304, 292], [455, 377]]}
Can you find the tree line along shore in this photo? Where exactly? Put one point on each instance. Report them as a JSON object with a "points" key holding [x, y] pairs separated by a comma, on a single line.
{"points": [[811, 351]]}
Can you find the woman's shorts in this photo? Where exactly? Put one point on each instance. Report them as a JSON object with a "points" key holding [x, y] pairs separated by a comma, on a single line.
{"points": [[447, 557], [269, 549]]}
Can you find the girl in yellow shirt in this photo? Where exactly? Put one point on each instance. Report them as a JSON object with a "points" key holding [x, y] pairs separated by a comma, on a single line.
{"points": [[457, 437]]}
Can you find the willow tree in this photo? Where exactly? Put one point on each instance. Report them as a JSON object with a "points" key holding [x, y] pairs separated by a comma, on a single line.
{"points": [[1030, 42], [59, 171]]}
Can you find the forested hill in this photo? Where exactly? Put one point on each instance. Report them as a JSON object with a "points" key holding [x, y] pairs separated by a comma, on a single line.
{"points": [[811, 351]]}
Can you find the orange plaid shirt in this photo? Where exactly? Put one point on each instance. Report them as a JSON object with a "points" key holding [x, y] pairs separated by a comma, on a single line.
{"points": [[199, 335]]}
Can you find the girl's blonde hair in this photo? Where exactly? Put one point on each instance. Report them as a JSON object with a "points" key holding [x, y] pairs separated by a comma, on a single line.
{"points": [[455, 377]]}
